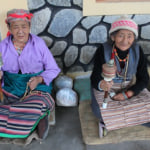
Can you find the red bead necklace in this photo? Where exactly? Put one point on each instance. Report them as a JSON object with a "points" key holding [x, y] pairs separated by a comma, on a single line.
{"points": [[120, 60]]}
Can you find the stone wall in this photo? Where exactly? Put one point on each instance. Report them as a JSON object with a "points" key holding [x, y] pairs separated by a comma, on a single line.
{"points": [[74, 38]]}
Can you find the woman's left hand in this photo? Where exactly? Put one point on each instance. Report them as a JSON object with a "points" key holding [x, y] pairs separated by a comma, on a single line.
{"points": [[118, 97], [34, 81], [121, 97]]}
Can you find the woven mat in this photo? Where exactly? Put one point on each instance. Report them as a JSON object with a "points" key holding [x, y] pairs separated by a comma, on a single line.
{"points": [[89, 127]]}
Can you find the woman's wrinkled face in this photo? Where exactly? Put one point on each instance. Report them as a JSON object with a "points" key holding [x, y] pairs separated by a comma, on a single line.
{"points": [[20, 30], [123, 39]]}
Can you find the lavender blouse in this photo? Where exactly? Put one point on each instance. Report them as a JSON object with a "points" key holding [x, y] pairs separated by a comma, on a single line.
{"points": [[34, 58]]}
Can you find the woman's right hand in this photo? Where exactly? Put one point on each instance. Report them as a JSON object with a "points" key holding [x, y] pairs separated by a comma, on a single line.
{"points": [[34, 81], [105, 85]]}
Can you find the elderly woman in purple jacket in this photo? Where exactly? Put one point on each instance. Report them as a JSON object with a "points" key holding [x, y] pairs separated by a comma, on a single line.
{"points": [[27, 72]]}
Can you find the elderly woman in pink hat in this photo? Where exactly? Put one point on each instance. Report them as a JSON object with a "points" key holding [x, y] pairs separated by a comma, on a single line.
{"points": [[27, 73], [119, 95]]}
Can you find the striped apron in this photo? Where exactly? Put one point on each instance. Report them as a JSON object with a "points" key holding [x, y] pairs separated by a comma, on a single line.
{"points": [[19, 118], [120, 114]]}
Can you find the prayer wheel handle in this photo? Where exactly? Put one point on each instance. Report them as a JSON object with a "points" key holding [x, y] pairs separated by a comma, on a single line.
{"points": [[108, 79]]}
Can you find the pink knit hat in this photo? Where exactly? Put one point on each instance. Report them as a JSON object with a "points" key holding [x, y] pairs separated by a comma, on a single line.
{"points": [[124, 23]]}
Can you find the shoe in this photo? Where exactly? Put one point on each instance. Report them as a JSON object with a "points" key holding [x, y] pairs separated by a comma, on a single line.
{"points": [[102, 130], [43, 128]]}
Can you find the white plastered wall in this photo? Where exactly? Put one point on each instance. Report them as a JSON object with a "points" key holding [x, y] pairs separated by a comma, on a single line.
{"points": [[92, 8]]}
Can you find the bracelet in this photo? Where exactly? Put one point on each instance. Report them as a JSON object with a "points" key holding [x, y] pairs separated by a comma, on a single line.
{"points": [[99, 86], [125, 96]]}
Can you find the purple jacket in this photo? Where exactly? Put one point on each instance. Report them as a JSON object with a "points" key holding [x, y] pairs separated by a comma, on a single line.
{"points": [[34, 58]]}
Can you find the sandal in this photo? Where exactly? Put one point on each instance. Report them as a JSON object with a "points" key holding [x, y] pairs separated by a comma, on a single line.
{"points": [[102, 130]]}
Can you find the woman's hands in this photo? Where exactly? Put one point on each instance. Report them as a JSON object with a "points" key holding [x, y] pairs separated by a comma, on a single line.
{"points": [[122, 97], [119, 97], [105, 85], [34, 81]]}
